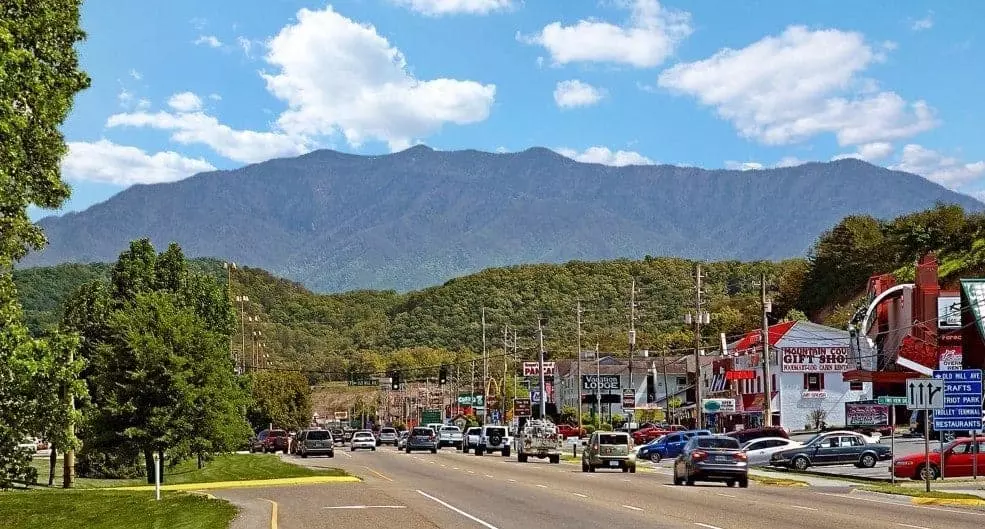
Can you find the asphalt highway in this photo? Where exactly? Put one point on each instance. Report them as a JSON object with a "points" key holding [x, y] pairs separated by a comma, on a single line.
{"points": [[452, 490]]}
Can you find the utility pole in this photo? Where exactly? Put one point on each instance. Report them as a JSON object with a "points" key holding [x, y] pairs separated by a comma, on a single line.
{"points": [[632, 337], [242, 319], [68, 472], [516, 362], [578, 381], [598, 377], [540, 360], [485, 372], [698, 316], [767, 376], [666, 392], [506, 337]]}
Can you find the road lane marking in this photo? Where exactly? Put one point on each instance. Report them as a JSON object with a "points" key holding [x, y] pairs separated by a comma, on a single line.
{"points": [[432, 462], [512, 481], [706, 526], [580, 495], [273, 513], [542, 486], [730, 496], [456, 509], [378, 474], [346, 455], [803, 507], [367, 507], [971, 513], [471, 472], [455, 468], [444, 465], [633, 508], [626, 480], [912, 526], [488, 476]]}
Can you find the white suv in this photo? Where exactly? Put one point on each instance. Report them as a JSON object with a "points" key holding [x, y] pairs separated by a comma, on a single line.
{"points": [[493, 439]]}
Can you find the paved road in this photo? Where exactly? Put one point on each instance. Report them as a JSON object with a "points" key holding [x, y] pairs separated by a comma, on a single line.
{"points": [[452, 490]]}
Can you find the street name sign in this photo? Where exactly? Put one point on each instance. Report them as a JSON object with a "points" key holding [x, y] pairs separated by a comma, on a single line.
{"points": [[892, 401], [924, 394]]}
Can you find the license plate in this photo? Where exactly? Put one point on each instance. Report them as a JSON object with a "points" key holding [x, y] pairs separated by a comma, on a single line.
{"points": [[613, 463], [722, 460]]}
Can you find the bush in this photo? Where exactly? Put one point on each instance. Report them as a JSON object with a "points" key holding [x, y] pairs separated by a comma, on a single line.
{"points": [[589, 430], [605, 427], [110, 464]]}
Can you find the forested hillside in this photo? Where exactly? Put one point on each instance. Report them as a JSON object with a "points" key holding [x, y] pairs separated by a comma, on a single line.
{"points": [[369, 331]]}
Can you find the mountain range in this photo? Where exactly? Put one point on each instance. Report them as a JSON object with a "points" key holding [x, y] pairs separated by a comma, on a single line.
{"points": [[335, 221]]}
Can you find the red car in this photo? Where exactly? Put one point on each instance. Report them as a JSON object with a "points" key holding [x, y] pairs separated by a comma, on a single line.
{"points": [[645, 435], [959, 456], [570, 430]]}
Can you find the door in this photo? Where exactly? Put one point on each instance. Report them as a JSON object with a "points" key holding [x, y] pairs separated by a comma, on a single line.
{"points": [[756, 452], [673, 445], [958, 460]]}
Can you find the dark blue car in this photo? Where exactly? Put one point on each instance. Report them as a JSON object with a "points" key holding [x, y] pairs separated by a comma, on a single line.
{"points": [[669, 445]]}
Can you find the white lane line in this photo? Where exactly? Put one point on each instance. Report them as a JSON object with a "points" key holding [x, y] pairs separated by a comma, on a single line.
{"points": [[471, 472], [512, 481], [346, 455], [542, 486], [803, 507], [872, 500], [367, 507], [455, 468], [633, 508], [728, 495], [444, 466], [580, 495], [912, 526], [706, 526], [488, 476], [456, 509], [626, 480], [432, 462]]}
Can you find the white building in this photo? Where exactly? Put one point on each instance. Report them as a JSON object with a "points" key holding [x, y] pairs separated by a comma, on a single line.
{"points": [[670, 377]]}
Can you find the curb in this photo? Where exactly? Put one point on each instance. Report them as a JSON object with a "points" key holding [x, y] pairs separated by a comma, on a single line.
{"points": [[959, 502], [279, 482]]}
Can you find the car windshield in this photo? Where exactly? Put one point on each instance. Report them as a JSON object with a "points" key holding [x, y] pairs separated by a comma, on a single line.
{"points": [[496, 431], [450, 429], [318, 435], [814, 439], [277, 433], [388, 430], [718, 442], [613, 439], [423, 431]]}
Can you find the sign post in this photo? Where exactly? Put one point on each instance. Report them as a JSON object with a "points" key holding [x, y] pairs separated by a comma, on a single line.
{"points": [[892, 402], [157, 478], [925, 394]]}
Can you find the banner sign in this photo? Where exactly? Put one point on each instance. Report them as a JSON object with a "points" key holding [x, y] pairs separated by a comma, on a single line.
{"points": [[950, 358], [532, 369], [465, 399], [521, 407], [718, 405], [601, 382], [740, 374], [628, 399], [814, 359], [866, 414]]}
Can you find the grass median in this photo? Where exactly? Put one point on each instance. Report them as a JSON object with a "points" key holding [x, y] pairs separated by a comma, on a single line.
{"points": [[104, 509], [919, 493]]}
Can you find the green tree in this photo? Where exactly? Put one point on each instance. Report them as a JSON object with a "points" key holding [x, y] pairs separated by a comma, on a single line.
{"points": [[280, 398]]}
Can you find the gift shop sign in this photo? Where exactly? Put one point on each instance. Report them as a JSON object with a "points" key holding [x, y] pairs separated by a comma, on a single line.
{"points": [[814, 359]]}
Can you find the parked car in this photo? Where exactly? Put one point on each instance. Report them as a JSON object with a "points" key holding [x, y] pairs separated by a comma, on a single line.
{"points": [[959, 458], [493, 439], [716, 458], [832, 448], [667, 446], [570, 430], [315, 442], [759, 451], [388, 436], [338, 437], [748, 434], [29, 445], [362, 439], [470, 439], [609, 450], [422, 438], [450, 436], [402, 440], [645, 435], [270, 441]]}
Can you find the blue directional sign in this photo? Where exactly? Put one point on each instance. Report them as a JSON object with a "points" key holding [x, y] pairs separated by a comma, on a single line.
{"points": [[962, 400]]}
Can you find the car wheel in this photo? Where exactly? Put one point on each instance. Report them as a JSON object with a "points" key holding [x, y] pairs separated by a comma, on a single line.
{"points": [[730, 483], [555, 459], [584, 467], [374, 448], [689, 482], [924, 470], [655, 457], [408, 450], [304, 455], [625, 470], [522, 458], [331, 454], [434, 450], [867, 461], [506, 452], [591, 468], [801, 463], [632, 469], [677, 480], [465, 449], [744, 483], [353, 449]]}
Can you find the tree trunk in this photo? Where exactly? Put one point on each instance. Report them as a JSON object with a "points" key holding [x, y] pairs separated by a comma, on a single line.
{"points": [[160, 461], [52, 462], [200, 462], [149, 465]]}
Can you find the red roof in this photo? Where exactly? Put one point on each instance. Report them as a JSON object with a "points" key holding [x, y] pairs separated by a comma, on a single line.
{"points": [[752, 338]]}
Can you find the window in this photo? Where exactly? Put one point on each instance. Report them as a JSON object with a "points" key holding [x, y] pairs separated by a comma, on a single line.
{"points": [[813, 381], [852, 441], [855, 386], [317, 435], [716, 442], [831, 442], [681, 381]]}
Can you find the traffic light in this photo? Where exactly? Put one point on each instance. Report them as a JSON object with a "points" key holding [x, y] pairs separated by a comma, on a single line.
{"points": [[651, 389], [395, 381], [442, 376]]}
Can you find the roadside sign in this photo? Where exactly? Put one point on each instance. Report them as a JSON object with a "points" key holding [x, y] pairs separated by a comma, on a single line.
{"points": [[606, 382], [532, 369], [628, 399], [521, 407], [718, 405], [962, 400], [924, 394], [892, 401]]}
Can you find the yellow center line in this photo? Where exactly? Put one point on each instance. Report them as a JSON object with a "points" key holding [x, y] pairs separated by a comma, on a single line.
{"points": [[377, 473], [273, 513]]}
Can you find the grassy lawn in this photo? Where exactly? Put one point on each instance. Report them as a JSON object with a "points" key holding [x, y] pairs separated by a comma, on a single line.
{"points": [[780, 482], [231, 467], [96, 509], [919, 493]]}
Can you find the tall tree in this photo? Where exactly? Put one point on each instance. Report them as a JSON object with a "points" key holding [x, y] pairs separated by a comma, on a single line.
{"points": [[280, 398]]}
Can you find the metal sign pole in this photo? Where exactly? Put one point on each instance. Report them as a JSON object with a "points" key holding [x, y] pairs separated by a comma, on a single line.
{"points": [[940, 436], [926, 448], [892, 443], [974, 460]]}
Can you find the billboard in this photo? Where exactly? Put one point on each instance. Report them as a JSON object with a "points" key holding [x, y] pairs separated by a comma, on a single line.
{"points": [[532, 369], [858, 414], [602, 382], [814, 359], [948, 313], [950, 358]]}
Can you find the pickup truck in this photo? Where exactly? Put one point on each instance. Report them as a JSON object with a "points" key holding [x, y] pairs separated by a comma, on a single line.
{"points": [[449, 436]]}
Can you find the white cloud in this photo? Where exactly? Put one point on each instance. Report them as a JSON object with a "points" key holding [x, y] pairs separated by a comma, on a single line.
{"points": [[743, 166], [136, 75], [944, 170], [199, 23], [650, 36], [924, 23], [869, 152], [790, 161], [143, 104], [208, 40], [185, 102], [246, 45], [450, 7], [245, 146], [215, 97], [107, 162], [788, 88], [575, 93], [125, 98], [339, 75], [605, 156]]}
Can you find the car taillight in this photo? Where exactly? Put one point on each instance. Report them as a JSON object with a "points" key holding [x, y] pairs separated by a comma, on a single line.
{"points": [[741, 457], [698, 455]]}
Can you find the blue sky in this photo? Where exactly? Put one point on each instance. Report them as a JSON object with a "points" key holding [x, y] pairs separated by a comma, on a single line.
{"points": [[191, 86]]}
